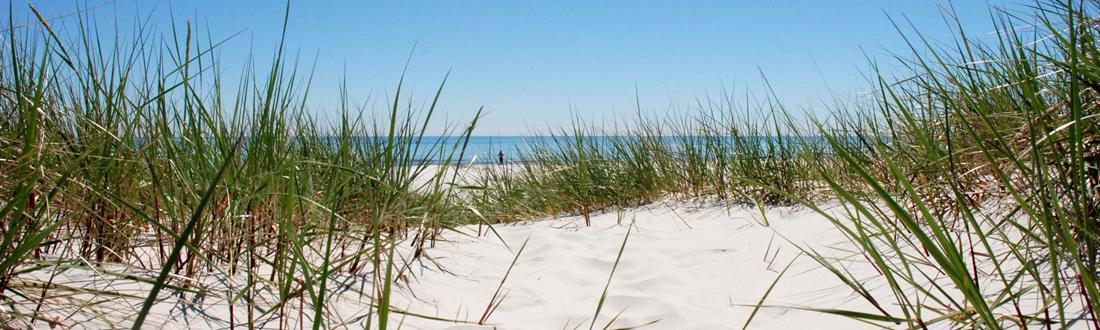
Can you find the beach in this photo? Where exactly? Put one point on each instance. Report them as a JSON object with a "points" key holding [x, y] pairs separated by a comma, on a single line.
{"points": [[684, 265], [149, 181]]}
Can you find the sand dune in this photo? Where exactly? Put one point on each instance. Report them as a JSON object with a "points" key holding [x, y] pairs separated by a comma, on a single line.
{"points": [[683, 267]]}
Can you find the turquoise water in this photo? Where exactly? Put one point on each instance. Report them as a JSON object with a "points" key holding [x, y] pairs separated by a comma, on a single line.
{"points": [[485, 149]]}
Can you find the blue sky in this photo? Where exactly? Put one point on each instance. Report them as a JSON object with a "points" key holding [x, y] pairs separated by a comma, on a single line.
{"points": [[534, 63]]}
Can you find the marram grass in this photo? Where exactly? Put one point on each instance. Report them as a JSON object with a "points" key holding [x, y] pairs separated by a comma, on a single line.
{"points": [[970, 183], [128, 152]]}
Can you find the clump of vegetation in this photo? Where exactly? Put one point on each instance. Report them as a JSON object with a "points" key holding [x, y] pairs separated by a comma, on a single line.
{"points": [[980, 205], [126, 158], [722, 153], [970, 183]]}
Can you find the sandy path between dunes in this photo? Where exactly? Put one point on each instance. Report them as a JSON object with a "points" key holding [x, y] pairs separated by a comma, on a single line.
{"points": [[683, 268]]}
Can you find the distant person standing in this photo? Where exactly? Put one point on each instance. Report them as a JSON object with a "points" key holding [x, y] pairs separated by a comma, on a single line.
{"points": [[500, 157]]}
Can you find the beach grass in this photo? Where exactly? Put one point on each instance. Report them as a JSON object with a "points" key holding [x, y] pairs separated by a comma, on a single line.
{"points": [[724, 153], [982, 211], [969, 180], [127, 152]]}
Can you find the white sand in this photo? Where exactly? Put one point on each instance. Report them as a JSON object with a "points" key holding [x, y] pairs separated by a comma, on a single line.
{"points": [[470, 174], [684, 268]]}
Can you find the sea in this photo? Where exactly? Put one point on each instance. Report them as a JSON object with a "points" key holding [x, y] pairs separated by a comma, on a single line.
{"points": [[487, 149]]}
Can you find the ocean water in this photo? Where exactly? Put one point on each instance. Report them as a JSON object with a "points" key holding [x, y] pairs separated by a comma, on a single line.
{"points": [[486, 149]]}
